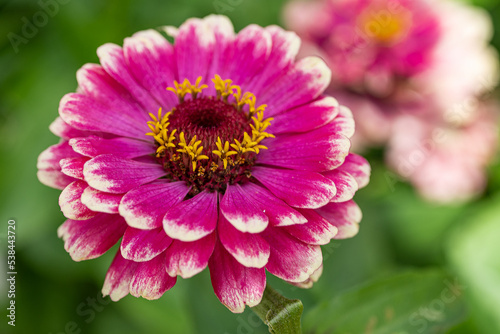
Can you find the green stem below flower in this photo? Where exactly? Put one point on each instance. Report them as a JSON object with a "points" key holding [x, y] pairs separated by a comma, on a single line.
{"points": [[280, 314]]}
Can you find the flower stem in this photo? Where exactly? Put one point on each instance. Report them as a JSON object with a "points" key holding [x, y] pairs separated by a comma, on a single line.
{"points": [[280, 314]]}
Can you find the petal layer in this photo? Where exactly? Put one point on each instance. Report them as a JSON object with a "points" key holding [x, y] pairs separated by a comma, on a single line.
{"points": [[291, 259], [143, 245], [100, 201], [93, 146], [301, 189], [344, 216], [116, 175], [192, 219], [118, 278], [49, 168], [150, 279], [317, 230], [306, 117], [251, 250], [187, 259], [278, 212], [234, 284], [145, 206], [89, 239], [241, 212], [358, 167], [284, 93], [71, 203]]}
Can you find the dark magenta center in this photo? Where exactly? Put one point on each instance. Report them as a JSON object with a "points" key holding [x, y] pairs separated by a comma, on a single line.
{"points": [[209, 118]]}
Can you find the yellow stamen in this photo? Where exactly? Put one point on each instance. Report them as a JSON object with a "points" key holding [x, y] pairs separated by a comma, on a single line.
{"points": [[193, 150], [196, 88], [223, 87], [223, 152], [241, 100], [181, 90]]}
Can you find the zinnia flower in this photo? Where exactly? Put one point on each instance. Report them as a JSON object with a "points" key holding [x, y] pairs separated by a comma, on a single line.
{"points": [[393, 57], [219, 150], [446, 164], [410, 69]]}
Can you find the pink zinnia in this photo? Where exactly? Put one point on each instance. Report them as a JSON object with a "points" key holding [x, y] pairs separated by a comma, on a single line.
{"points": [[394, 57], [445, 164], [409, 69], [219, 150]]}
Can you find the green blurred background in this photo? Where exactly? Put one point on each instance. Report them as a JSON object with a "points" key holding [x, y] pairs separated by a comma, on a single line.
{"points": [[396, 276]]}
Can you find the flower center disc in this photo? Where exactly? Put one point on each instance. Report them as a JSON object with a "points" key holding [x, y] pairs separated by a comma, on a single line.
{"points": [[383, 26], [209, 119], [209, 142]]}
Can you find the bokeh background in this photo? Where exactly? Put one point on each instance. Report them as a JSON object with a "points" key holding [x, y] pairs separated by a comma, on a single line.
{"points": [[415, 267]]}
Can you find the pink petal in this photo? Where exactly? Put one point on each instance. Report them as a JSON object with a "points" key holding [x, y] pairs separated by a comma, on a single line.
{"points": [[89, 239], [143, 245], [71, 204], [118, 278], [308, 283], [49, 159], [285, 46], [95, 82], [301, 189], [291, 259], [63, 130], [54, 178], [85, 113], [315, 151], [73, 166], [150, 279], [187, 259], [317, 230], [284, 93], [49, 169], [358, 167], [93, 146], [252, 47], [116, 175], [306, 117], [346, 185], [113, 61], [192, 219], [100, 201], [145, 207], [234, 284], [223, 47], [345, 216], [278, 212], [241, 212], [343, 123], [249, 249], [194, 46], [151, 60]]}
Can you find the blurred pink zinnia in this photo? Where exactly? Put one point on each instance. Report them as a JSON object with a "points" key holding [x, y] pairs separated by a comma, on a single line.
{"points": [[219, 150], [394, 60]]}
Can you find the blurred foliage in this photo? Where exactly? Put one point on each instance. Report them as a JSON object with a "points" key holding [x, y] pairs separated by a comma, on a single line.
{"points": [[473, 250], [421, 302], [399, 230]]}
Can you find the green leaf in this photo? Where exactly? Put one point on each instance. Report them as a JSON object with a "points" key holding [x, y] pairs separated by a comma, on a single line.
{"points": [[280, 314], [413, 302], [417, 227], [473, 249]]}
